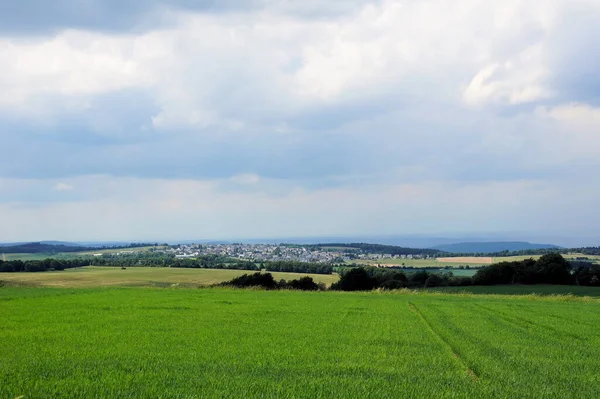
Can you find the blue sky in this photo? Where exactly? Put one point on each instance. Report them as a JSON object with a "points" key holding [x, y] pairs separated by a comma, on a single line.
{"points": [[137, 120]]}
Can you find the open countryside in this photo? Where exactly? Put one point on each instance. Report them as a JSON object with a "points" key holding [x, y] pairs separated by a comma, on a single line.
{"points": [[94, 276], [115, 342], [186, 328]]}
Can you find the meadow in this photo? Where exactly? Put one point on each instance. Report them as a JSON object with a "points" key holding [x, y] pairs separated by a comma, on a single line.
{"points": [[192, 343], [93, 276], [456, 261]]}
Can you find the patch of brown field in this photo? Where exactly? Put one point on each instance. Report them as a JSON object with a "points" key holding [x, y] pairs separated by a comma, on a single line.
{"points": [[468, 259]]}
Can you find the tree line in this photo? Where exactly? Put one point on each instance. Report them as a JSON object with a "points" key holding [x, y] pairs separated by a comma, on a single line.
{"points": [[549, 269], [528, 252], [42, 248], [150, 259], [376, 249]]}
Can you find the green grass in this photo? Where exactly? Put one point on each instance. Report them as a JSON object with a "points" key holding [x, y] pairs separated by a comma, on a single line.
{"points": [[408, 262], [204, 343], [71, 255], [524, 290], [92, 276], [436, 263], [41, 256], [593, 258]]}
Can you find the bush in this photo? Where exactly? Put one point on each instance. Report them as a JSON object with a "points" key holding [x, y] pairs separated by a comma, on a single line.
{"points": [[304, 284], [589, 276], [264, 280], [418, 279], [435, 280], [501, 273], [357, 279], [460, 281], [392, 285]]}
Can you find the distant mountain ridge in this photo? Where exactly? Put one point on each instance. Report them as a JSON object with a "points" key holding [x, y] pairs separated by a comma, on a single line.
{"points": [[491, 247]]}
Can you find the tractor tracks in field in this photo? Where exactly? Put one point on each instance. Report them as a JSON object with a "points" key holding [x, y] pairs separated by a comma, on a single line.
{"points": [[527, 324], [456, 354]]}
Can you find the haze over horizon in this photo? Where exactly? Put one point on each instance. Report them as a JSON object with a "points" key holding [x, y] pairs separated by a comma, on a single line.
{"points": [[138, 120]]}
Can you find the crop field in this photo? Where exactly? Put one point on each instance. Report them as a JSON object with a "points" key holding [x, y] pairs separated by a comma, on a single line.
{"points": [[593, 258], [71, 255], [572, 290], [481, 260], [192, 343], [92, 276], [425, 263]]}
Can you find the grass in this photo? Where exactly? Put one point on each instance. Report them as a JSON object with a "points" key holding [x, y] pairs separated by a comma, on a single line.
{"points": [[573, 256], [190, 343], [471, 261], [72, 255], [92, 276], [524, 290]]}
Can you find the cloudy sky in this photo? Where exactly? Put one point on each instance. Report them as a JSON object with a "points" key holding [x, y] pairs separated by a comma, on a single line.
{"points": [[152, 119]]}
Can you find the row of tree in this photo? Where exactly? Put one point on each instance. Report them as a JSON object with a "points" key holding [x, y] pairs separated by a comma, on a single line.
{"points": [[298, 267], [266, 281], [529, 252], [45, 248], [549, 269], [376, 249]]}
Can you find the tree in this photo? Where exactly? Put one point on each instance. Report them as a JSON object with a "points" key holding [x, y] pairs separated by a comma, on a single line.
{"points": [[554, 269], [356, 279]]}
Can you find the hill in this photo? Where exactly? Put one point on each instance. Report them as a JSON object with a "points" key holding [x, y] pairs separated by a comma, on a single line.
{"points": [[491, 247]]}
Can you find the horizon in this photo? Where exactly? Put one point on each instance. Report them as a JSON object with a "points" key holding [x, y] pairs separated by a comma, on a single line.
{"points": [[415, 241], [277, 119]]}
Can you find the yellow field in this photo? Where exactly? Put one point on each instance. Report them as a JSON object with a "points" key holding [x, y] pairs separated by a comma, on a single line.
{"points": [[91, 276], [468, 259]]}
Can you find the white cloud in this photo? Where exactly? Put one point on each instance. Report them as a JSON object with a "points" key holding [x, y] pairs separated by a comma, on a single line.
{"points": [[246, 179], [235, 69], [62, 187], [573, 114], [73, 63], [516, 81], [290, 111]]}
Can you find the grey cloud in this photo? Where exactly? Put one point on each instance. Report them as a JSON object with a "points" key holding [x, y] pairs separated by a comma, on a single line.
{"points": [[575, 59], [35, 17]]}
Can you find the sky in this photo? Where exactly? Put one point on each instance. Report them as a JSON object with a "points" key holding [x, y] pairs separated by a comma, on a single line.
{"points": [[164, 120]]}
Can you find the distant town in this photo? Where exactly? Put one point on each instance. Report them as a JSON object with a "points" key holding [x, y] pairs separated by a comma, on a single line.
{"points": [[271, 252]]}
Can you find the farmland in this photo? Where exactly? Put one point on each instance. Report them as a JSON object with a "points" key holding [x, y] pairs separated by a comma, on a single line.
{"points": [[91, 276], [463, 260], [134, 342]]}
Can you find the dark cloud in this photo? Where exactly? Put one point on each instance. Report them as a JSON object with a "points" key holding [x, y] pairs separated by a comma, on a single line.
{"points": [[575, 59]]}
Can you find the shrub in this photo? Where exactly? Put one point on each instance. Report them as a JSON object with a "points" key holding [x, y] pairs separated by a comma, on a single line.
{"points": [[258, 279], [435, 280], [460, 281], [357, 279], [304, 284]]}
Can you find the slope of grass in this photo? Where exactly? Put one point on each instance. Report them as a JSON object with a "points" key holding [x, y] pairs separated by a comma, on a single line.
{"points": [[524, 290], [179, 343], [92, 276]]}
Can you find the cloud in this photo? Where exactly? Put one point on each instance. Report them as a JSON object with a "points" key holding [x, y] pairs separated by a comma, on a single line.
{"points": [[62, 187], [262, 99]]}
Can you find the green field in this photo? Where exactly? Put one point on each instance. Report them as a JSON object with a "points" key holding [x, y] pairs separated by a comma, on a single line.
{"points": [[441, 264], [71, 255], [92, 276], [204, 343], [523, 290], [412, 263], [594, 258]]}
